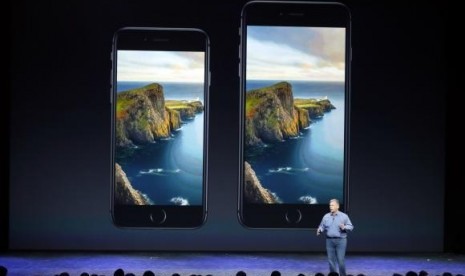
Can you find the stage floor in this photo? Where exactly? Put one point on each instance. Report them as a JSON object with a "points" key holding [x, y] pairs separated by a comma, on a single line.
{"points": [[224, 264]]}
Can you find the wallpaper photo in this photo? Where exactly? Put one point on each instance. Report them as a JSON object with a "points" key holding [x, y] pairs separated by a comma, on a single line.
{"points": [[159, 126], [294, 115]]}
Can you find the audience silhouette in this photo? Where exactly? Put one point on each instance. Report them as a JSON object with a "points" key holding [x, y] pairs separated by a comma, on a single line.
{"points": [[275, 273], [119, 272], [148, 273]]}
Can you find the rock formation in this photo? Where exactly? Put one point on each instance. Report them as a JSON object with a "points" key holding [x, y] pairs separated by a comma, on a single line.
{"points": [[125, 194], [254, 192], [143, 115], [273, 115]]}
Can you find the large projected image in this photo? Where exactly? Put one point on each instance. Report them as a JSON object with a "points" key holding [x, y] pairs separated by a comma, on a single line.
{"points": [[159, 126], [294, 115]]}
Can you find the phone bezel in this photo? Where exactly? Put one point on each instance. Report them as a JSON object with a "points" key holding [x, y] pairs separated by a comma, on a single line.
{"points": [[292, 13], [166, 39]]}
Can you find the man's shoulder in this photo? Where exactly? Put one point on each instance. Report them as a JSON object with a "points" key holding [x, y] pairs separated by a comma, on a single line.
{"points": [[343, 214]]}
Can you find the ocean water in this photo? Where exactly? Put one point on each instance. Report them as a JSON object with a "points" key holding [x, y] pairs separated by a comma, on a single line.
{"points": [[169, 171], [310, 167]]}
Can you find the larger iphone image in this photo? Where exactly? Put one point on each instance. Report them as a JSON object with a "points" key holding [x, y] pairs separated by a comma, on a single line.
{"points": [[294, 72]]}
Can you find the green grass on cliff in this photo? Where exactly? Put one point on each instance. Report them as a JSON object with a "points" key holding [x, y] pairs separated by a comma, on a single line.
{"points": [[282, 84], [122, 105], [124, 101], [176, 105], [273, 87], [252, 100], [250, 104], [151, 86], [306, 103]]}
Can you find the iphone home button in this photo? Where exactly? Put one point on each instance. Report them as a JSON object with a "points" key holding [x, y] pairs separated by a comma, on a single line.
{"points": [[293, 216], [158, 217]]}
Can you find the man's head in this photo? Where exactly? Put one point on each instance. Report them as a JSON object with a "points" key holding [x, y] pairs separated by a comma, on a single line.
{"points": [[334, 205]]}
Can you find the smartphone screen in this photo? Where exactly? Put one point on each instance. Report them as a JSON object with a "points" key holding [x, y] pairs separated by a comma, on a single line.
{"points": [[160, 122], [295, 107]]}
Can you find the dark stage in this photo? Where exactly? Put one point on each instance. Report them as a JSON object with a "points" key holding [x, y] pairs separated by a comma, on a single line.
{"points": [[222, 264]]}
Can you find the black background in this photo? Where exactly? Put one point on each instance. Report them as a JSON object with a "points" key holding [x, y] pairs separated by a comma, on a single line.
{"points": [[405, 186]]}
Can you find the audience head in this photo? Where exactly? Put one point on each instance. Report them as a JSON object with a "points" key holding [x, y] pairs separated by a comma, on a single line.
{"points": [[64, 274], [423, 273], [319, 274], [300, 274], [411, 273], [119, 272], [148, 273], [333, 274], [3, 271], [396, 274], [275, 273], [85, 274], [446, 274], [241, 273], [175, 274]]}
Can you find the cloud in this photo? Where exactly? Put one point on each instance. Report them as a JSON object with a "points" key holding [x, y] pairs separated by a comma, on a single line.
{"points": [[269, 60], [196, 59], [159, 66], [295, 53], [329, 44]]}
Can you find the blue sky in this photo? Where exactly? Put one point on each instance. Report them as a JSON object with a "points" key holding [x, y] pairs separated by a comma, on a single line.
{"points": [[295, 53], [160, 66]]}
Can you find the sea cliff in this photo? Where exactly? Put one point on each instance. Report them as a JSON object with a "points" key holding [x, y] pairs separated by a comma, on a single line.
{"points": [[125, 193], [143, 115], [273, 115]]}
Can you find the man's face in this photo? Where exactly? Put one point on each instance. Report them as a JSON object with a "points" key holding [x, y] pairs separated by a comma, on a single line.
{"points": [[333, 206]]}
